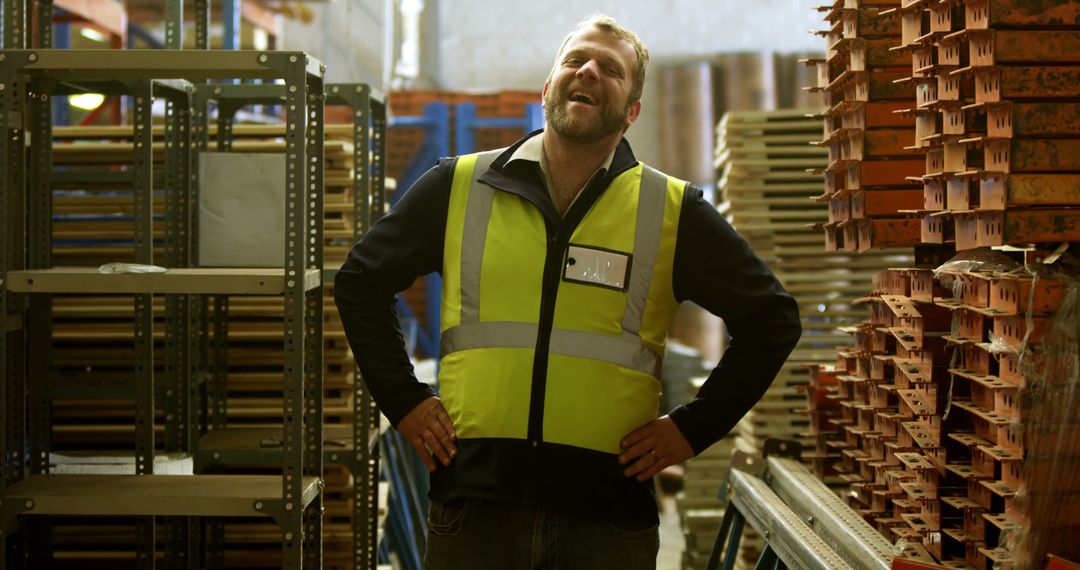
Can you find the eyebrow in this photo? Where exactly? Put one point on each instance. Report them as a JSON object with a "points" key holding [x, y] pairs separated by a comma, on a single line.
{"points": [[604, 59]]}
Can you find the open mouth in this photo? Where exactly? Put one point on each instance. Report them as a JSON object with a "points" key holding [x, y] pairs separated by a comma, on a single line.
{"points": [[579, 97]]}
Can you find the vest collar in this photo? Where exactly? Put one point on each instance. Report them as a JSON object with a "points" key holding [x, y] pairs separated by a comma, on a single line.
{"points": [[524, 178]]}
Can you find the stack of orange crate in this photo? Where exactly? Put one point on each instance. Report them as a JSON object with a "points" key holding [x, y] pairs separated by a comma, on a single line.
{"points": [[1025, 61], [959, 432], [998, 109], [928, 28], [824, 410], [867, 181]]}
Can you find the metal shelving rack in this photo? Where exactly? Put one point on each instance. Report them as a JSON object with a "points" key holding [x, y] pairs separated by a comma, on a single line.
{"points": [[357, 444], [28, 78]]}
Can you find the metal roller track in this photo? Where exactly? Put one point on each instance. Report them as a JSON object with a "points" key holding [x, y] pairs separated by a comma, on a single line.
{"points": [[851, 537], [792, 540]]}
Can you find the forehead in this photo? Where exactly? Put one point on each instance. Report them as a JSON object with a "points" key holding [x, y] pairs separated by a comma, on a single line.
{"points": [[601, 42]]}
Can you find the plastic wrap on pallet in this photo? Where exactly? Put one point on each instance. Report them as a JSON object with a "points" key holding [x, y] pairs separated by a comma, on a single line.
{"points": [[974, 260], [1049, 498]]}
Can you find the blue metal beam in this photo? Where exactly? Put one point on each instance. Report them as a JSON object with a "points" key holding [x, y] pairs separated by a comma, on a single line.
{"points": [[61, 39], [466, 122], [230, 17]]}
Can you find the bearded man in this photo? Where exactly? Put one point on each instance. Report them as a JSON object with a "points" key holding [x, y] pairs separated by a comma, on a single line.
{"points": [[563, 261]]}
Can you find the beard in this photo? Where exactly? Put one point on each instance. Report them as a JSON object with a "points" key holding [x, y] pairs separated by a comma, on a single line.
{"points": [[611, 119]]}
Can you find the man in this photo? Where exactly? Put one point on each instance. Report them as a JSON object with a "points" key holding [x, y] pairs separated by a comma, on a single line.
{"points": [[563, 260]]}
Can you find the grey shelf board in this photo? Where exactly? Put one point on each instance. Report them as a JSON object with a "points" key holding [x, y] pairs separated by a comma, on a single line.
{"points": [[193, 65], [262, 446], [198, 281], [146, 495]]}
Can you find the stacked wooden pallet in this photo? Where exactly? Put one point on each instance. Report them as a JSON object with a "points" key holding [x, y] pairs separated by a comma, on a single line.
{"points": [[701, 507], [93, 226], [763, 158], [1008, 171], [870, 163]]}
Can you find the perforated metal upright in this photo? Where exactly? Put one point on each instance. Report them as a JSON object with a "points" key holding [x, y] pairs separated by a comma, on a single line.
{"points": [[359, 453], [293, 500]]}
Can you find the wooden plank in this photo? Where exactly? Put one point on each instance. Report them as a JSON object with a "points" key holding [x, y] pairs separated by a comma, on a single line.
{"points": [[1027, 226], [1025, 82], [984, 14], [1030, 47], [1019, 190], [1033, 155], [1033, 119], [884, 203]]}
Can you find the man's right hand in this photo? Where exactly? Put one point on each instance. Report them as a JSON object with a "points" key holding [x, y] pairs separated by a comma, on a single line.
{"points": [[428, 428]]}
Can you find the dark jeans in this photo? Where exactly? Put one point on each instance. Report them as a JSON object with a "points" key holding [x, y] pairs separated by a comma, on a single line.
{"points": [[477, 535]]}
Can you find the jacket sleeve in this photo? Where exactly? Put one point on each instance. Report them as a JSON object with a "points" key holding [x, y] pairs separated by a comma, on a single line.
{"points": [[405, 244], [716, 269]]}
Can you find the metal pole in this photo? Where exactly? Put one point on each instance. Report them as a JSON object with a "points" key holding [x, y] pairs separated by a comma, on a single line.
{"points": [[858, 543]]}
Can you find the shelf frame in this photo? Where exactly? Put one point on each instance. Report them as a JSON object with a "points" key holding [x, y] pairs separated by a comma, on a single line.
{"points": [[361, 459], [28, 78]]}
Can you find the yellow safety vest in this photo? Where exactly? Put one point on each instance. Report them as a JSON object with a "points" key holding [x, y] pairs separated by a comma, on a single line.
{"points": [[607, 338]]}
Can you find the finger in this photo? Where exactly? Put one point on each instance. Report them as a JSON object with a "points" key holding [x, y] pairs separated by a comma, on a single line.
{"points": [[636, 436], [444, 419], [640, 465], [436, 447], [639, 449], [659, 465], [445, 439], [418, 443]]}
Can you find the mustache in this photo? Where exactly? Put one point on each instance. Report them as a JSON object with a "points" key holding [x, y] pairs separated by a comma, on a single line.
{"points": [[564, 94]]}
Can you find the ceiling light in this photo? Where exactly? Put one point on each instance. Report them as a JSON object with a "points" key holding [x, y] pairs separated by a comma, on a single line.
{"points": [[86, 101], [92, 34]]}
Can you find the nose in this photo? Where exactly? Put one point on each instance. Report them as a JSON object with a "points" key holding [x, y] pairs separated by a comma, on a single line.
{"points": [[590, 70]]}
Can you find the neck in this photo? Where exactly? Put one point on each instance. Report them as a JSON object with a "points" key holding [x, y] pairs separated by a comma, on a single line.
{"points": [[570, 156], [571, 163]]}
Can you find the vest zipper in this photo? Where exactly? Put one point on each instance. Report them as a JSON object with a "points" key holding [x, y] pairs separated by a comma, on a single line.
{"points": [[550, 288]]}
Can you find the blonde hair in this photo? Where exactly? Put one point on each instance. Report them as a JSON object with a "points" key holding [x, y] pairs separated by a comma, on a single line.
{"points": [[608, 24]]}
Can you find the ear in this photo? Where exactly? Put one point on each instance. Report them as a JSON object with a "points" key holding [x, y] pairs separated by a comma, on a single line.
{"points": [[635, 111], [543, 92]]}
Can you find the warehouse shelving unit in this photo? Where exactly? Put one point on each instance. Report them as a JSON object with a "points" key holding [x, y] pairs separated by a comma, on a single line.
{"points": [[354, 444], [27, 280]]}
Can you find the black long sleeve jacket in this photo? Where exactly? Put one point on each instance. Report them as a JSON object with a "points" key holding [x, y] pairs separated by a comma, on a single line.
{"points": [[713, 267]]}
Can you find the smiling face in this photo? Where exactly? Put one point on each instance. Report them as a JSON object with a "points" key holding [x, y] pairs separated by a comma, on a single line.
{"points": [[587, 97]]}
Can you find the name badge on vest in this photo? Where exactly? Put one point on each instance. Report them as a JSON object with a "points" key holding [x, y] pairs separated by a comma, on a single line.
{"points": [[597, 267]]}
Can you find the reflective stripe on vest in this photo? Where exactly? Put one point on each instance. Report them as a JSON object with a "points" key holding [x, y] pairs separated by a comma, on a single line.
{"points": [[605, 345], [627, 351]]}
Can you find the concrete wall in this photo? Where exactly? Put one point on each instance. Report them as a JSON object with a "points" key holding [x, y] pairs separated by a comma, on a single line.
{"points": [[348, 36]]}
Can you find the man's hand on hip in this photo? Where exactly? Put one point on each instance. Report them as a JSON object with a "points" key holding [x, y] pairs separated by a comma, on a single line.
{"points": [[652, 447], [428, 428]]}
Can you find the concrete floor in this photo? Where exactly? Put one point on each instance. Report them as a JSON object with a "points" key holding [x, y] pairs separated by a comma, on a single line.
{"points": [[672, 541]]}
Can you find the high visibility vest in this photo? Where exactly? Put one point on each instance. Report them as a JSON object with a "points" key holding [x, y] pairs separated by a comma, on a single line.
{"points": [[607, 336]]}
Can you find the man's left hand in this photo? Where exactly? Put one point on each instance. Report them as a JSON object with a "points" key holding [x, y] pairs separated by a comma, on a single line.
{"points": [[652, 447]]}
